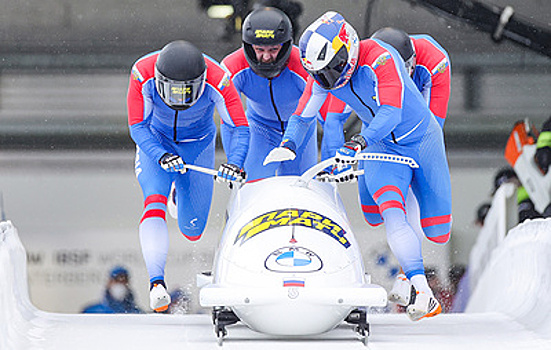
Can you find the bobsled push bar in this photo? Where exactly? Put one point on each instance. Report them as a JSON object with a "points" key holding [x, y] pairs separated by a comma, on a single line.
{"points": [[388, 158], [201, 169], [316, 169]]}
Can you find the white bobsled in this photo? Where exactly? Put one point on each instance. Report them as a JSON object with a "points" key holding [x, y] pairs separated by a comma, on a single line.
{"points": [[288, 263]]}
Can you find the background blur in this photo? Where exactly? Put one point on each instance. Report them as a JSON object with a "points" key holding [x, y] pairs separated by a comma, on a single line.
{"points": [[66, 161]]}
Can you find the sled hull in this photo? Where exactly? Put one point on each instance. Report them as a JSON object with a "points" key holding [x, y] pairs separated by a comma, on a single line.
{"points": [[293, 311]]}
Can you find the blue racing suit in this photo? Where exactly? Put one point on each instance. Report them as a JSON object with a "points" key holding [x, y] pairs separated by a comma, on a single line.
{"points": [[432, 77], [397, 122], [270, 103], [158, 129]]}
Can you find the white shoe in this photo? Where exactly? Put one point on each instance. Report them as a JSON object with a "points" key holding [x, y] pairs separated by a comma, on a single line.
{"points": [[401, 291], [423, 306], [159, 298], [171, 203]]}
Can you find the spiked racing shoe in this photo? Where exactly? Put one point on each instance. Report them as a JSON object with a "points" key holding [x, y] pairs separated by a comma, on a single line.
{"points": [[423, 306], [401, 291], [159, 299]]}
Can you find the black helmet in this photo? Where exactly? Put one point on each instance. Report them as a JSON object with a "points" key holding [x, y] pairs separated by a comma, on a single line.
{"points": [[180, 74], [267, 26], [401, 41]]}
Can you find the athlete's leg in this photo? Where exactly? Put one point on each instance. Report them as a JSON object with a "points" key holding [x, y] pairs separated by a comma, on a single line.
{"points": [[155, 184], [413, 214], [369, 208], [194, 189], [389, 182], [432, 187]]}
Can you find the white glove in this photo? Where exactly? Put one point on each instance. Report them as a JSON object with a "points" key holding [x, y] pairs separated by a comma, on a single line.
{"points": [[229, 173], [173, 163], [279, 154]]}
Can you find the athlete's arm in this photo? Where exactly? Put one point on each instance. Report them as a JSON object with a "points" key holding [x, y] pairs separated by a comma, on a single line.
{"points": [[230, 108], [308, 107], [140, 106]]}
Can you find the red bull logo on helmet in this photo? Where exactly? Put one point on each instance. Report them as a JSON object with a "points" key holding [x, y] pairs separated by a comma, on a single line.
{"points": [[343, 38]]}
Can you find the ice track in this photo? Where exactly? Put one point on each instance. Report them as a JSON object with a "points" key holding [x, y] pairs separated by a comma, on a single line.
{"points": [[524, 323]]}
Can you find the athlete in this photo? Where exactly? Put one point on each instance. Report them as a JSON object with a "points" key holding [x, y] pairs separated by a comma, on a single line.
{"points": [[428, 64], [171, 99], [371, 78], [267, 70]]}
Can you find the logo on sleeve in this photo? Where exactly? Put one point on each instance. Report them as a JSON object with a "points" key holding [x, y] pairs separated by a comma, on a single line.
{"points": [[225, 82], [136, 75], [441, 67], [381, 60]]}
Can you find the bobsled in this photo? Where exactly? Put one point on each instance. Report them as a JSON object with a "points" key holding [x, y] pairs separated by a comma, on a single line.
{"points": [[287, 263]]}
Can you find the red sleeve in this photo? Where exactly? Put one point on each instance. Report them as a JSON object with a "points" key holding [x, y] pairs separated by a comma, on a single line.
{"points": [[389, 82], [437, 63], [142, 71], [235, 62], [220, 80]]}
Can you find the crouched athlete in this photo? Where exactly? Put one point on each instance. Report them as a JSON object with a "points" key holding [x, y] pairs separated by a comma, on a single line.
{"points": [[171, 99]]}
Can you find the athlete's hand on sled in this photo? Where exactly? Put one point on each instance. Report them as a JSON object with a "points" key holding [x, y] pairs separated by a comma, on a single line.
{"points": [[172, 163], [346, 155], [230, 173], [285, 151], [334, 174]]}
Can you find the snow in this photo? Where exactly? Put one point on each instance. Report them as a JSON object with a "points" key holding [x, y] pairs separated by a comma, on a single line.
{"points": [[493, 321]]}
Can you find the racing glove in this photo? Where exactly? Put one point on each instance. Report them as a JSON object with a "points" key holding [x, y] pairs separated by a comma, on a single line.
{"points": [[334, 174], [346, 174], [172, 163], [230, 172], [347, 153], [285, 151]]}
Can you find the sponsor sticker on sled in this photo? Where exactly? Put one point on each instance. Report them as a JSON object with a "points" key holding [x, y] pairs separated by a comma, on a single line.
{"points": [[292, 217], [293, 259]]}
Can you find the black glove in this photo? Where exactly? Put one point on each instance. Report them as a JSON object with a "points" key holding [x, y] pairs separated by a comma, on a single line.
{"points": [[230, 172], [172, 163]]}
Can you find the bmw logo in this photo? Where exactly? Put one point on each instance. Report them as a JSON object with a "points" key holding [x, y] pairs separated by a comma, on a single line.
{"points": [[293, 259]]}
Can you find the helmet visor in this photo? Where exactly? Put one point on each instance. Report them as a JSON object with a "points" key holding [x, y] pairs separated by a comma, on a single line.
{"points": [[179, 94], [330, 74]]}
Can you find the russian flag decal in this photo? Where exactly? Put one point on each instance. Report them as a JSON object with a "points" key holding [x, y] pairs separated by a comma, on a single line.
{"points": [[293, 283]]}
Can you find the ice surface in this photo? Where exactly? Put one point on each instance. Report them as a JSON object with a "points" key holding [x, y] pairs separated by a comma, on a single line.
{"points": [[22, 326]]}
